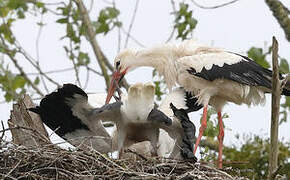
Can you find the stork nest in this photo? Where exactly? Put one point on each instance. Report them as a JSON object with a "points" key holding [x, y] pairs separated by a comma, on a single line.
{"points": [[52, 162]]}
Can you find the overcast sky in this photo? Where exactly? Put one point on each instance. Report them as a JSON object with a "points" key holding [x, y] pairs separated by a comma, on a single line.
{"points": [[236, 28]]}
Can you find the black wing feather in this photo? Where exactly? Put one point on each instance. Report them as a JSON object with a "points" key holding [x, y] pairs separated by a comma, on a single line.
{"points": [[57, 114], [246, 72]]}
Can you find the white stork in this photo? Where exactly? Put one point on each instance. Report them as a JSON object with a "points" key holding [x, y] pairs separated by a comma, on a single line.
{"points": [[69, 114], [214, 75]]}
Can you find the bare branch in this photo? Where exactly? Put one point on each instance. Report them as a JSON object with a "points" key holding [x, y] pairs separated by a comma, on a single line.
{"points": [[213, 7], [51, 72], [119, 31], [37, 51], [87, 79], [132, 22], [20, 69], [276, 94], [91, 34], [134, 39]]}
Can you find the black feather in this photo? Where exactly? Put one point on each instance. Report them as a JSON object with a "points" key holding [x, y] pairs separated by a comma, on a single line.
{"points": [[191, 103], [57, 114], [189, 134]]}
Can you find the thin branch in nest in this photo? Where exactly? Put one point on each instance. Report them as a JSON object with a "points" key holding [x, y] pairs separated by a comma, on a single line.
{"points": [[136, 153], [3, 133]]}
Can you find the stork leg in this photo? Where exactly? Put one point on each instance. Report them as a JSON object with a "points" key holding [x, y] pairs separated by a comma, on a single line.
{"points": [[221, 139], [202, 128]]}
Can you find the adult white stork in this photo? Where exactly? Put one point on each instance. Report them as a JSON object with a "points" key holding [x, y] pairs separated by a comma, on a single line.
{"points": [[68, 113], [214, 75]]}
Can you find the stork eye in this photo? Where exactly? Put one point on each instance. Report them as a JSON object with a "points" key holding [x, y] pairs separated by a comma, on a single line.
{"points": [[117, 64]]}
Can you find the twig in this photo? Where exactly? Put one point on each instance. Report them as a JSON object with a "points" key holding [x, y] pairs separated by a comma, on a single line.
{"points": [[138, 154], [32, 62], [134, 39], [87, 79], [91, 34], [132, 22], [12, 169], [94, 71], [119, 31], [276, 94], [173, 30], [51, 72], [213, 7], [3, 133], [22, 73], [37, 51]]}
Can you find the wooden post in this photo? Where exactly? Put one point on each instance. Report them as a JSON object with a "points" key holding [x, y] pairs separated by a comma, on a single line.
{"points": [[276, 94]]}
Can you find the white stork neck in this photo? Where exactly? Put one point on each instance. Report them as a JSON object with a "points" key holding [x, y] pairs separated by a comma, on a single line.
{"points": [[162, 59]]}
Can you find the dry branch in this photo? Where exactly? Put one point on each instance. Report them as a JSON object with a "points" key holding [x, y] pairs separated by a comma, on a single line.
{"points": [[276, 94], [91, 34], [51, 162]]}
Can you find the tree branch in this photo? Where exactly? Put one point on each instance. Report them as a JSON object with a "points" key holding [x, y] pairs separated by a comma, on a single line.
{"points": [[132, 22], [101, 58], [276, 94], [91, 34], [22, 73], [213, 7], [280, 12]]}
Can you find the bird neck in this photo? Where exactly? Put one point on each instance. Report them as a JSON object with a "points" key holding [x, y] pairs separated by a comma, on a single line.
{"points": [[161, 60]]}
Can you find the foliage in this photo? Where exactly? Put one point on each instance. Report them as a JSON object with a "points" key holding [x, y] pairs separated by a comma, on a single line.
{"points": [[252, 157], [107, 20], [11, 84], [160, 87], [184, 21], [260, 57]]}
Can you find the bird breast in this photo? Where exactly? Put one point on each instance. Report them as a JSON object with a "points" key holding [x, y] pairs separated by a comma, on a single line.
{"points": [[138, 103]]}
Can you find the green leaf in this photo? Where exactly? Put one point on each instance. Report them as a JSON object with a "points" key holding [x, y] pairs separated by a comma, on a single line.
{"points": [[18, 82], [8, 97], [113, 12], [184, 21], [4, 11], [258, 56], [36, 81], [102, 28], [284, 66], [83, 59], [62, 20]]}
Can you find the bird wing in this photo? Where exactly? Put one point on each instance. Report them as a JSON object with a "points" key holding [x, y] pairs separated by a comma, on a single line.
{"points": [[226, 65]]}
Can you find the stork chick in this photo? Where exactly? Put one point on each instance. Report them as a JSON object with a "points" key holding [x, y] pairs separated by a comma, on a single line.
{"points": [[68, 113]]}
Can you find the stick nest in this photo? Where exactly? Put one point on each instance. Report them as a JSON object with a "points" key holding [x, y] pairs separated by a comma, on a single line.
{"points": [[52, 162]]}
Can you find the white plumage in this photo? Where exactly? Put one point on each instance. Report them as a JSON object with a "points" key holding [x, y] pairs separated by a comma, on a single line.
{"points": [[214, 75], [78, 118]]}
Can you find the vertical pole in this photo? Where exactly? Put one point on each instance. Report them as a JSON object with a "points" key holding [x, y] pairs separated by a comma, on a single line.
{"points": [[276, 93]]}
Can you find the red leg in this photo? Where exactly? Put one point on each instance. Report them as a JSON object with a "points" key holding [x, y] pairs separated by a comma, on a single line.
{"points": [[221, 140], [201, 129]]}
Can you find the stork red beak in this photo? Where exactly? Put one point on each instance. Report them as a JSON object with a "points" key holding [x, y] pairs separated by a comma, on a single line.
{"points": [[116, 78]]}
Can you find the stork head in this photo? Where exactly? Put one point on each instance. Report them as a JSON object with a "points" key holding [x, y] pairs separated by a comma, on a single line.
{"points": [[122, 64]]}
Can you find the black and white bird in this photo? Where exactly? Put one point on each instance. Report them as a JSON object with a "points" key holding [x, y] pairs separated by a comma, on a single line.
{"points": [[68, 113], [213, 75]]}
